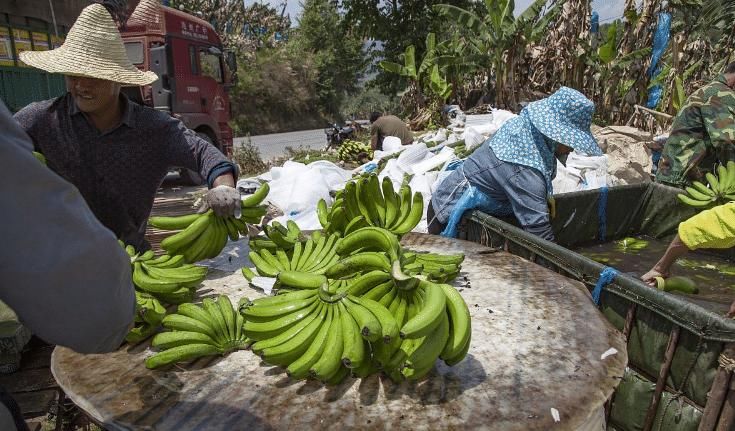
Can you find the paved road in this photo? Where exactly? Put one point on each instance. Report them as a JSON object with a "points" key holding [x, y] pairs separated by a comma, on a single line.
{"points": [[274, 145]]}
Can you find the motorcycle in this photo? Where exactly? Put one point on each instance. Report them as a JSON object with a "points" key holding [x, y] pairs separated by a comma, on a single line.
{"points": [[336, 135]]}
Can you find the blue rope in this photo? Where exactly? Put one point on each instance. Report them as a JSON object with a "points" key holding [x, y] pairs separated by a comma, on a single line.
{"points": [[602, 212], [606, 277]]}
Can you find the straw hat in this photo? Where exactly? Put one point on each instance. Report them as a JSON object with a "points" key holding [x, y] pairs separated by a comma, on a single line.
{"points": [[93, 48]]}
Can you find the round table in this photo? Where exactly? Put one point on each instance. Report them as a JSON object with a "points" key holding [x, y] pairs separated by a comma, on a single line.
{"points": [[537, 345]]}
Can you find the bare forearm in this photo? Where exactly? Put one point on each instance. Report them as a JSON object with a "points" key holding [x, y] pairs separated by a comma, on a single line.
{"points": [[374, 142], [676, 250], [224, 180]]}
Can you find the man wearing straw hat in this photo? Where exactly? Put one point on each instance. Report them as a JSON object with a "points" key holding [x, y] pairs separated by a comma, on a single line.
{"points": [[113, 150]]}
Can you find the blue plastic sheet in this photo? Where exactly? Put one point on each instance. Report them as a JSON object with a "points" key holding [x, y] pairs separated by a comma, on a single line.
{"points": [[660, 43], [595, 23], [473, 198]]}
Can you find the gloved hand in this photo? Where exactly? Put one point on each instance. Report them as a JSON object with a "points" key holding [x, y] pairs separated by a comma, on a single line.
{"points": [[223, 200]]}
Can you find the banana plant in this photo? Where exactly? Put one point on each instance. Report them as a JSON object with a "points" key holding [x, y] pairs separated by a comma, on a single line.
{"points": [[427, 75], [498, 39]]}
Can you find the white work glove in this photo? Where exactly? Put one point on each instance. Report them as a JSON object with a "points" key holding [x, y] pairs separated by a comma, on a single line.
{"points": [[223, 200]]}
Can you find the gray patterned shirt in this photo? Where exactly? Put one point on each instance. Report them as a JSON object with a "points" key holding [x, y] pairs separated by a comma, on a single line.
{"points": [[118, 171]]}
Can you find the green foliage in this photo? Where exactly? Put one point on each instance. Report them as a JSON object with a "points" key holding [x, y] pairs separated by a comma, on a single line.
{"points": [[247, 157], [336, 51], [366, 100]]}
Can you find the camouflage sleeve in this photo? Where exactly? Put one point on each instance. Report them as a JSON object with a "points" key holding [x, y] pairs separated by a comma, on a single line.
{"points": [[719, 121]]}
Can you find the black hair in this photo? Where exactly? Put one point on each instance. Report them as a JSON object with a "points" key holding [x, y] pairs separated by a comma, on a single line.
{"points": [[730, 68], [118, 9], [374, 116]]}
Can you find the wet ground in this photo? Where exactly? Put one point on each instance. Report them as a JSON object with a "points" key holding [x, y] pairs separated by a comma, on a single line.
{"points": [[714, 275]]}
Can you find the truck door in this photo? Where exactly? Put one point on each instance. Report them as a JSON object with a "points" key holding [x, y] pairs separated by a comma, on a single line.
{"points": [[211, 83]]}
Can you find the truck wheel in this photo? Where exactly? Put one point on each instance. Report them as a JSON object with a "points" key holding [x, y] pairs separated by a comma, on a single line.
{"points": [[190, 177]]}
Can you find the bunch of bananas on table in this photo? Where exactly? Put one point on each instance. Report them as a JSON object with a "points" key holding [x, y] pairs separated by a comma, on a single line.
{"points": [[215, 328], [168, 278], [203, 236], [721, 188], [350, 151], [366, 202], [371, 310], [276, 235]]}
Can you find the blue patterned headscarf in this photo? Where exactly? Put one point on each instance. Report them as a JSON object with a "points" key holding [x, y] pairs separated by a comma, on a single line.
{"points": [[520, 142], [531, 138]]}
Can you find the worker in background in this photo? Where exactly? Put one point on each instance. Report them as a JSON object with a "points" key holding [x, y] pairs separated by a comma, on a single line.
{"points": [[703, 133], [712, 228], [113, 150], [514, 168], [387, 125], [62, 272]]}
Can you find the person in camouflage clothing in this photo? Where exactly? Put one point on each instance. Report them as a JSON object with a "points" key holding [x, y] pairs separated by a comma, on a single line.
{"points": [[703, 133]]}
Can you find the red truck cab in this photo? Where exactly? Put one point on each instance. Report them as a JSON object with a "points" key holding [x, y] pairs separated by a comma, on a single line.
{"points": [[194, 70]]}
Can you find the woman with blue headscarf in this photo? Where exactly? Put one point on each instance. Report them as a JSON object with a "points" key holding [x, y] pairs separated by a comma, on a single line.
{"points": [[514, 168]]}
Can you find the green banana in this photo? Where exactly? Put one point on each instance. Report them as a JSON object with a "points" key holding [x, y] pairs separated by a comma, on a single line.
{"points": [[299, 368], [692, 202], [353, 350], [168, 340], [180, 354], [173, 223], [331, 358], [257, 197], [459, 316], [293, 347], [359, 263], [319, 314], [367, 322], [262, 330], [413, 217], [301, 280], [388, 326], [178, 322], [322, 212], [429, 316]]}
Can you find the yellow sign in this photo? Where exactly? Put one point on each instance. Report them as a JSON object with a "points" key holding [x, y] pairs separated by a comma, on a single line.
{"points": [[6, 52], [22, 39], [40, 41], [56, 41]]}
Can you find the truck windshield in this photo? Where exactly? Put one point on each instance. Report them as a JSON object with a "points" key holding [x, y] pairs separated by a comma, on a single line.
{"points": [[210, 65], [135, 52]]}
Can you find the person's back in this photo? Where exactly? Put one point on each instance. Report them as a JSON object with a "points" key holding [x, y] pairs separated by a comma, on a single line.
{"points": [[62, 272], [703, 133], [390, 125]]}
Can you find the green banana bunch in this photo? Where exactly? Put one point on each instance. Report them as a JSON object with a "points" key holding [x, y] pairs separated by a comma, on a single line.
{"points": [[214, 328], [440, 268], [319, 333], [721, 188], [203, 236], [304, 260], [350, 150], [168, 278], [148, 316], [367, 202], [284, 237]]}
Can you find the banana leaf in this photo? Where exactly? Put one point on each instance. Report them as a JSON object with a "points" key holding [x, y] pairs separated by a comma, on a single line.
{"points": [[462, 18], [607, 51], [391, 67]]}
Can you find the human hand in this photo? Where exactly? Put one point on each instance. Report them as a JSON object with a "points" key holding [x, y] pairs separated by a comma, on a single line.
{"points": [[650, 277], [731, 313], [223, 200]]}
